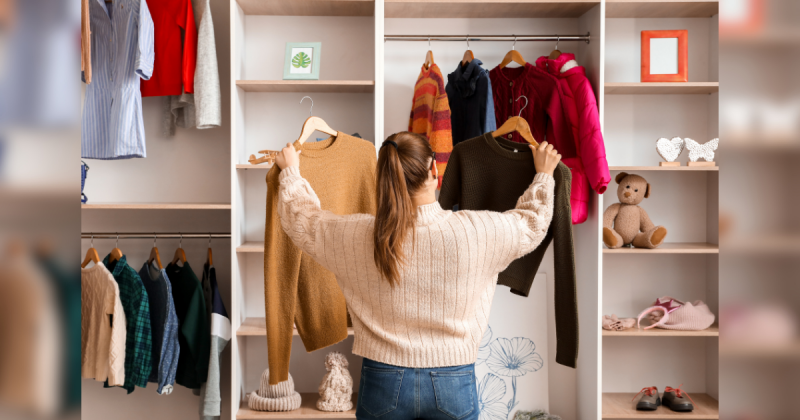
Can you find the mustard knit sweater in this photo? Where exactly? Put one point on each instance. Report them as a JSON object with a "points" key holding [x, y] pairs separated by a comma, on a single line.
{"points": [[437, 313], [299, 291]]}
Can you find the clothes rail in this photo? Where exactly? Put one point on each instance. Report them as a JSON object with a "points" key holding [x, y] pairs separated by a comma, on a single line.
{"points": [[158, 235], [504, 38]]}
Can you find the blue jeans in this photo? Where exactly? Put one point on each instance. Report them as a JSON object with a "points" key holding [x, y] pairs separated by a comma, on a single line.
{"points": [[396, 393]]}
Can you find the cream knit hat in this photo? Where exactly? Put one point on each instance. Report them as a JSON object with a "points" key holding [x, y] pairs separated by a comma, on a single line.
{"points": [[280, 397]]}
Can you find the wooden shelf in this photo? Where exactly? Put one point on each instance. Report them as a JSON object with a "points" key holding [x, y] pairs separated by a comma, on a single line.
{"points": [[487, 9], [248, 247], [308, 7], [662, 88], [664, 168], [661, 8], [619, 406], [258, 327], [712, 331], [324, 86], [759, 351], [156, 206], [670, 248], [249, 166], [307, 410]]}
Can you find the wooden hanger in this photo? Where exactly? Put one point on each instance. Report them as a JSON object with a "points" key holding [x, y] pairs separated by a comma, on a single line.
{"points": [[428, 57], [210, 260], [116, 253], [517, 124], [314, 124], [154, 255], [179, 254], [91, 255], [269, 157], [513, 55], [468, 56], [556, 53]]}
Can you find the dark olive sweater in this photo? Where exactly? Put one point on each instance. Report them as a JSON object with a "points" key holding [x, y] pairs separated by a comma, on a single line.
{"points": [[485, 173]]}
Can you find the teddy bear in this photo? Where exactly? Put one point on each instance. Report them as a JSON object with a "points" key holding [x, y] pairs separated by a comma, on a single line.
{"points": [[336, 388], [625, 223]]}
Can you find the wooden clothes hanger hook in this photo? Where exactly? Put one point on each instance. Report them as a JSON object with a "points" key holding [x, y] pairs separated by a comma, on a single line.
{"points": [[514, 46], [524, 106], [310, 110], [558, 38], [468, 41]]}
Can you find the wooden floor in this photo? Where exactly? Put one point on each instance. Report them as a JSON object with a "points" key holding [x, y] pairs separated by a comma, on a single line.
{"points": [[712, 331], [620, 406], [308, 410]]}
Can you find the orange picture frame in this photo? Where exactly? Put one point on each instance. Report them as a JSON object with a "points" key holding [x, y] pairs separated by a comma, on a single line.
{"points": [[683, 56]]}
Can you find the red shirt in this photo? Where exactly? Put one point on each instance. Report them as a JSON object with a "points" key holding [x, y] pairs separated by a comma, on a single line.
{"points": [[176, 53], [543, 112]]}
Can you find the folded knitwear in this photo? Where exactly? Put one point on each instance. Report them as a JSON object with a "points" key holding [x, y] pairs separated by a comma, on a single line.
{"points": [[280, 397]]}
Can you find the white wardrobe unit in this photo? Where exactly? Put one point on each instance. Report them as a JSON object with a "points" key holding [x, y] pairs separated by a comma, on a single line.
{"points": [[366, 86]]}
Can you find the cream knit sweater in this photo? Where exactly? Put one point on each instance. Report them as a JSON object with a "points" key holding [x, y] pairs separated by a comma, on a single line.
{"points": [[102, 344], [437, 313]]}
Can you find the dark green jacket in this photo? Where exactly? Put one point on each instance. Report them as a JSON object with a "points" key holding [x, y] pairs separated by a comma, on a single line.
{"points": [[195, 334]]}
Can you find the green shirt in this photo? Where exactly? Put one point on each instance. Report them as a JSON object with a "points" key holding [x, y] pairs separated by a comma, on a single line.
{"points": [[139, 339], [195, 334]]}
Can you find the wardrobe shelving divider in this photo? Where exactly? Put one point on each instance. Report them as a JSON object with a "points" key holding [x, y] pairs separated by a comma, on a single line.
{"points": [[266, 114], [683, 199]]}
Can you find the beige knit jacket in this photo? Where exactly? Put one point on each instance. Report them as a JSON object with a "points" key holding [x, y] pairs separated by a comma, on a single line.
{"points": [[437, 313], [102, 343]]}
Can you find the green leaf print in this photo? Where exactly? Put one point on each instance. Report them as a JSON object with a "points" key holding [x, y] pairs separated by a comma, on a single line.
{"points": [[301, 60]]}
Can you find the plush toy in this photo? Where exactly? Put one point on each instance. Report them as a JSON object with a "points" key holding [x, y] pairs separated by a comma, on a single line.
{"points": [[336, 389], [625, 223]]}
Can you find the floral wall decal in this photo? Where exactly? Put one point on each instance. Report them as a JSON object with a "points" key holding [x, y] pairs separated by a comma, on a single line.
{"points": [[491, 390], [505, 358]]}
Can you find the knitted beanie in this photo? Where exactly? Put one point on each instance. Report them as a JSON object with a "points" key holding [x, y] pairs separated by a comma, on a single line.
{"points": [[280, 397], [672, 314]]}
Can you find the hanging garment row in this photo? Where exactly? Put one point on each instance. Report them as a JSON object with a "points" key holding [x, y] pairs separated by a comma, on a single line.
{"points": [[133, 40], [302, 295], [160, 324], [561, 107]]}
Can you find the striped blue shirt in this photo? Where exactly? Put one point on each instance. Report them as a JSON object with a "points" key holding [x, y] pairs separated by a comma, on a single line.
{"points": [[122, 52]]}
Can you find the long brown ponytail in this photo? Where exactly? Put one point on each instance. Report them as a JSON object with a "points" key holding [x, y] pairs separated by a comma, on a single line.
{"points": [[402, 171]]}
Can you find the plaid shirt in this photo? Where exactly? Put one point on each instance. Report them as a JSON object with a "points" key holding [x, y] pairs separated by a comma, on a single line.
{"points": [[139, 340]]}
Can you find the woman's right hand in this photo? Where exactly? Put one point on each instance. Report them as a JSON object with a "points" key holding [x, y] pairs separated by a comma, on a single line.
{"points": [[545, 158]]}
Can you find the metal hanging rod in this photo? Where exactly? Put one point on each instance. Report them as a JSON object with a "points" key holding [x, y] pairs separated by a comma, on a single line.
{"points": [[145, 235], [496, 38]]}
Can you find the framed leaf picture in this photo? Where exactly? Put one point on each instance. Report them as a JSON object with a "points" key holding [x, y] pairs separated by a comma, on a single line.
{"points": [[302, 61]]}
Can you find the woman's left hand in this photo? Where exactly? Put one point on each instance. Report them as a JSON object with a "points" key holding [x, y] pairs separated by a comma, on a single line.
{"points": [[288, 157]]}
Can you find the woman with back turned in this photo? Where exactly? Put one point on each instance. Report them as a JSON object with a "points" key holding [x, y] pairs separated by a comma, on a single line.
{"points": [[418, 280]]}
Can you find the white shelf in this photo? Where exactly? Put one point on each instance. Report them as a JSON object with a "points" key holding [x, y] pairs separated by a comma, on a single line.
{"points": [[258, 327], [487, 9], [620, 406], [308, 410], [661, 9], [312, 86], [712, 331], [669, 248], [250, 247], [156, 206], [661, 88], [308, 7], [683, 168]]}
